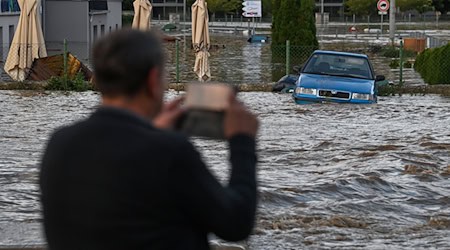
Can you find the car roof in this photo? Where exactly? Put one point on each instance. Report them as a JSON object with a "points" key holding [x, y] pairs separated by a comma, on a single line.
{"points": [[340, 53]]}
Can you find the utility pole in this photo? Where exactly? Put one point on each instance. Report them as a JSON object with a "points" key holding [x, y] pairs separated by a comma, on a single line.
{"points": [[392, 25], [322, 12], [184, 23]]}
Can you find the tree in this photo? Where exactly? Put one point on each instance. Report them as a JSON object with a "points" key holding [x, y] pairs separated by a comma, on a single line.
{"points": [[224, 6], [267, 7], [421, 6], [442, 5], [127, 5], [294, 20], [361, 7]]}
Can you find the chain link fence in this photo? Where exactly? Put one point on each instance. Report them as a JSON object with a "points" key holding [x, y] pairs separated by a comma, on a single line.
{"points": [[434, 65], [249, 64], [235, 61]]}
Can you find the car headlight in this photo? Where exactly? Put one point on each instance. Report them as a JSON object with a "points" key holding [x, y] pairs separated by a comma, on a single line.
{"points": [[306, 91], [359, 96]]}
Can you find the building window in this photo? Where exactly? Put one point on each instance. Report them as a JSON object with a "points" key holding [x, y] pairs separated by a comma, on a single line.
{"points": [[95, 33], [102, 30], [11, 33], [9, 6], [98, 5]]}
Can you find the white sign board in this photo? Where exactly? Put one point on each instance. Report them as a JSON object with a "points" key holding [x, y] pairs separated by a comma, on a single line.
{"points": [[252, 8]]}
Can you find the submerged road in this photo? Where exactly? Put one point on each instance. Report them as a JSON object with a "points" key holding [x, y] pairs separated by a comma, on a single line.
{"points": [[331, 176]]}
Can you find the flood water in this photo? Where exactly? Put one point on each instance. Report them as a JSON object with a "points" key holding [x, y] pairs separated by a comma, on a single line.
{"points": [[331, 176]]}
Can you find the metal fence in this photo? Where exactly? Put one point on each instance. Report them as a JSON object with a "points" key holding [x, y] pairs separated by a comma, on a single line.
{"points": [[79, 50], [233, 60], [236, 63]]}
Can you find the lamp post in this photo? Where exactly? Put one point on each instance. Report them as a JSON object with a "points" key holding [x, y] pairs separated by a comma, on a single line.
{"points": [[322, 12], [184, 22], [392, 12]]}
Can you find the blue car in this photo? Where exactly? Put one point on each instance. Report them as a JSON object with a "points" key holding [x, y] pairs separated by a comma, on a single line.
{"points": [[330, 76]]}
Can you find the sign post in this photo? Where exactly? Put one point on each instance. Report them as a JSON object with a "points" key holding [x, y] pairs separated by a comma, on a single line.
{"points": [[252, 8], [383, 7]]}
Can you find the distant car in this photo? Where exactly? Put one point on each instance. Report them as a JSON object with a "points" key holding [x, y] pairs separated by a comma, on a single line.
{"points": [[330, 76]]}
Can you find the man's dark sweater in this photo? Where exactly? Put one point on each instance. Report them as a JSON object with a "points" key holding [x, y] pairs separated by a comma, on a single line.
{"points": [[114, 181]]}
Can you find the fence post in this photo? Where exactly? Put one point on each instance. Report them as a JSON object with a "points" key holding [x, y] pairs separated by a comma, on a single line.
{"points": [[177, 61], [401, 62], [65, 77], [65, 57], [288, 57]]}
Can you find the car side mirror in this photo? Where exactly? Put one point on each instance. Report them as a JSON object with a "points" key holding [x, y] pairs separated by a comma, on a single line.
{"points": [[380, 78], [298, 68]]}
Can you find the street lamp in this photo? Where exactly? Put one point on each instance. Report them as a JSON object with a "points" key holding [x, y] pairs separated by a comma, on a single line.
{"points": [[184, 22], [322, 12]]}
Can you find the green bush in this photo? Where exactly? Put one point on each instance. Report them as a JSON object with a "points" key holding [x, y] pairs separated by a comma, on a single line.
{"points": [[407, 65], [395, 64], [127, 20], [434, 65], [394, 52], [76, 83]]}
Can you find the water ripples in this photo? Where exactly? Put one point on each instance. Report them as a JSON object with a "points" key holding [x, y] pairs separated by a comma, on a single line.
{"points": [[331, 176]]}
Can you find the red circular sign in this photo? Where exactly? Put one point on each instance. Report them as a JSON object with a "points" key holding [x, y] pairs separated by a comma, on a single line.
{"points": [[383, 5]]}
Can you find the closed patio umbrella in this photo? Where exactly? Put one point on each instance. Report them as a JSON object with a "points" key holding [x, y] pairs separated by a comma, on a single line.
{"points": [[28, 42], [142, 13], [200, 39]]}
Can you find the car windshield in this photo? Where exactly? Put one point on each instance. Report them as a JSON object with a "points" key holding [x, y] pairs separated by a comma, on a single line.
{"points": [[339, 65]]}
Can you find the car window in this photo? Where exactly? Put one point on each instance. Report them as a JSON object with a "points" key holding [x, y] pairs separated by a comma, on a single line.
{"points": [[339, 65]]}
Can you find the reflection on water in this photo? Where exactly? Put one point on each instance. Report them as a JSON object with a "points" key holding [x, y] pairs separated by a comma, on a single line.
{"points": [[252, 56], [331, 176]]}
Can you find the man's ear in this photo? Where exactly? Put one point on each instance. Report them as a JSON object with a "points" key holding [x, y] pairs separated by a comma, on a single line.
{"points": [[153, 82]]}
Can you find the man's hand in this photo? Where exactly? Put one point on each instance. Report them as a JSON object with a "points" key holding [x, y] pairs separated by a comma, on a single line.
{"points": [[238, 120], [169, 114]]}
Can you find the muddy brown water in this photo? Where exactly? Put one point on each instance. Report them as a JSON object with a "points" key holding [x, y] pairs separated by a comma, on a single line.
{"points": [[331, 176]]}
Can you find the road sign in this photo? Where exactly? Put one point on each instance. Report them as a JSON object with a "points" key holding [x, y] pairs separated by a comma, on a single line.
{"points": [[383, 5], [252, 8], [382, 13]]}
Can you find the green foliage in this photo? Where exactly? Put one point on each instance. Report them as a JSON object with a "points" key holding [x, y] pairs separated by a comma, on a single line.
{"points": [[76, 83], [127, 21], [421, 6], [224, 6], [127, 5], [361, 7], [294, 20], [407, 65], [442, 5], [434, 66], [395, 64], [394, 52]]}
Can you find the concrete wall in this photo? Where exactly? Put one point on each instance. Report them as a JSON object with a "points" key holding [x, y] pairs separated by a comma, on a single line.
{"points": [[8, 25], [72, 20], [114, 15], [66, 20], [99, 25]]}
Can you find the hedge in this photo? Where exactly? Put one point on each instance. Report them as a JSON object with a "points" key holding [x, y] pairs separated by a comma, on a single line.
{"points": [[434, 65]]}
